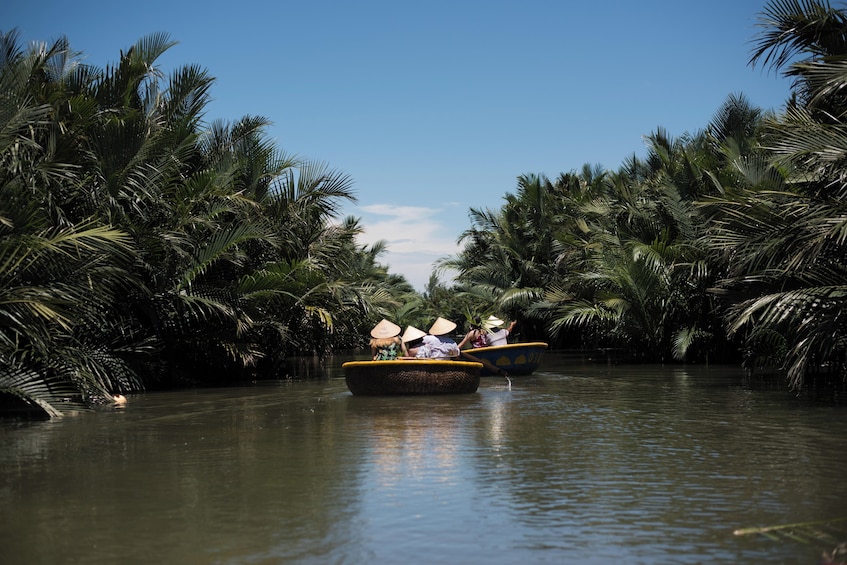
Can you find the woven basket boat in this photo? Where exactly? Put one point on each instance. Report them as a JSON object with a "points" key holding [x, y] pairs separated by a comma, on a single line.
{"points": [[514, 358], [411, 376]]}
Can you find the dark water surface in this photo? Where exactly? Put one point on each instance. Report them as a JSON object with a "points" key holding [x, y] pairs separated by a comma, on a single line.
{"points": [[575, 464]]}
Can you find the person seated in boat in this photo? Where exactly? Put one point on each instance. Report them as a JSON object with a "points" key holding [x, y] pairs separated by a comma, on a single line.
{"points": [[499, 336], [413, 342], [476, 336], [386, 343], [433, 345], [441, 345]]}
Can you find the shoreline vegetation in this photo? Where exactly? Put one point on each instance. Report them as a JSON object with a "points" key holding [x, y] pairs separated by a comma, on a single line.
{"points": [[143, 247]]}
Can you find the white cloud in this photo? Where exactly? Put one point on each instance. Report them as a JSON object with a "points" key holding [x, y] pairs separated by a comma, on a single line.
{"points": [[416, 236]]}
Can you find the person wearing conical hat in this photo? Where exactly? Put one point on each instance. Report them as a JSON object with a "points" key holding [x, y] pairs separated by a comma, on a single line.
{"points": [[477, 335], [385, 342], [413, 341], [497, 335], [437, 344], [442, 327], [412, 335]]}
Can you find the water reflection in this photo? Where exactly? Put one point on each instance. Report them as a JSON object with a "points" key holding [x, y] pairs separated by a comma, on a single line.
{"points": [[577, 463], [415, 435]]}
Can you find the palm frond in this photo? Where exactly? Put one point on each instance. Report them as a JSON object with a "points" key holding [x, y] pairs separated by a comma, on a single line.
{"points": [[47, 391], [824, 533], [215, 249]]}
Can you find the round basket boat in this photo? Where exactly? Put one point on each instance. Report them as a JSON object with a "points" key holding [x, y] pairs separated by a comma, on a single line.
{"points": [[514, 358], [411, 376]]}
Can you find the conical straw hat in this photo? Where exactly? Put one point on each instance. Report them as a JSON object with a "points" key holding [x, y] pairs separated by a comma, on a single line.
{"points": [[493, 322], [411, 334], [442, 327], [385, 329]]}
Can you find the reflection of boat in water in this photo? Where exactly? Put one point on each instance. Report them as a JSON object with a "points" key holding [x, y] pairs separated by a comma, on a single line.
{"points": [[514, 358], [411, 376]]}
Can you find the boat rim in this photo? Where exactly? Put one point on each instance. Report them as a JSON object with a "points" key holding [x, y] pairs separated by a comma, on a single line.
{"points": [[532, 344], [412, 362]]}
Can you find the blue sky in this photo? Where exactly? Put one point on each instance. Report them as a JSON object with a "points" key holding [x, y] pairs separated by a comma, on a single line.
{"points": [[436, 107]]}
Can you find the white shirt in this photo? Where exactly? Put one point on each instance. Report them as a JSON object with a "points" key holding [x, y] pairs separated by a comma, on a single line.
{"points": [[498, 338], [437, 347]]}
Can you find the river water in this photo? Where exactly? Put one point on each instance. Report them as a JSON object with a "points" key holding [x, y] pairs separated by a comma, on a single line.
{"points": [[578, 463]]}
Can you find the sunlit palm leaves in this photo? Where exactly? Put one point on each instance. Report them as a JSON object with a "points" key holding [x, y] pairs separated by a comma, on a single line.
{"points": [[56, 289], [784, 234], [136, 246]]}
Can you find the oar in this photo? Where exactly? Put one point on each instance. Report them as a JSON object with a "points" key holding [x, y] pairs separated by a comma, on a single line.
{"points": [[491, 366]]}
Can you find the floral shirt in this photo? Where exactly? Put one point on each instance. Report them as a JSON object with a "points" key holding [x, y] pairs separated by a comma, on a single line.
{"points": [[388, 353]]}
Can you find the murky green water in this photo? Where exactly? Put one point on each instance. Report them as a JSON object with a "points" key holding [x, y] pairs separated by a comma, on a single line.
{"points": [[575, 464]]}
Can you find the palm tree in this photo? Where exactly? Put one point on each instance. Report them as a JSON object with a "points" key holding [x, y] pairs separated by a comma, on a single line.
{"points": [[510, 255], [633, 284], [59, 275], [783, 232], [127, 230]]}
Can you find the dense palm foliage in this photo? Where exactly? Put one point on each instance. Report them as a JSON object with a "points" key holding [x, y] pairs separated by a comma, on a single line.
{"points": [[142, 246], [724, 243], [139, 245], [788, 239]]}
